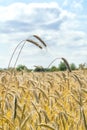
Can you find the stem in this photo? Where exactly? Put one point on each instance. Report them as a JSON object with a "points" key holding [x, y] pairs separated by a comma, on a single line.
{"points": [[13, 54], [19, 53]]}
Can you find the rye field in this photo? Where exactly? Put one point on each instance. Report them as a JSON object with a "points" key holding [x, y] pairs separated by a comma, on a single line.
{"points": [[43, 100]]}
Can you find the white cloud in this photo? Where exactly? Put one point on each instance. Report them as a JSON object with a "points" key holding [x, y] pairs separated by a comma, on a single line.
{"points": [[77, 4], [59, 28], [20, 11], [65, 3]]}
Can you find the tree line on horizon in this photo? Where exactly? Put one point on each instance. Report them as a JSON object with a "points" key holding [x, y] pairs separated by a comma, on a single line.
{"points": [[60, 67]]}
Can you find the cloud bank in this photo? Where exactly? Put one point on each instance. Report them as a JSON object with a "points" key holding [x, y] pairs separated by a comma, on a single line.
{"points": [[60, 28]]}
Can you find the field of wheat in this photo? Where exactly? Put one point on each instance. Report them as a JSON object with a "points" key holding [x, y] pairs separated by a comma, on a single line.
{"points": [[43, 101]]}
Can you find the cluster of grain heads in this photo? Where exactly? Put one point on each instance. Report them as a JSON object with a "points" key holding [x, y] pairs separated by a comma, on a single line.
{"points": [[42, 101], [68, 68], [24, 41], [79, 97]]}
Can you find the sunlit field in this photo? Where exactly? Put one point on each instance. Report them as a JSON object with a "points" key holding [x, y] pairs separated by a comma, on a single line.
{"points": [[43, 101]]}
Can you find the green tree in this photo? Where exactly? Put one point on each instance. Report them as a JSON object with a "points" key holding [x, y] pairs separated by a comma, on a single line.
{"points": [[39, 69], [62, 66], [53, 68], [73, 66], [21, 67]]}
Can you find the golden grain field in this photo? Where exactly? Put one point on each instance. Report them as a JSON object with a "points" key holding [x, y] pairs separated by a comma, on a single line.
{"points": [[43, 101]]}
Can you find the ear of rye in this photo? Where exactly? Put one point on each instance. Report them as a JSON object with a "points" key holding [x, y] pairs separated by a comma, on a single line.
{"points": [[40, 40], [35, 43], [67, 64]]}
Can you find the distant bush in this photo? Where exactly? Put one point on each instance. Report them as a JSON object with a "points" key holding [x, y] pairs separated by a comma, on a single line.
{"points": [[62, 66], [73, 66], [39, 69], [53, 68], [21, 67]]}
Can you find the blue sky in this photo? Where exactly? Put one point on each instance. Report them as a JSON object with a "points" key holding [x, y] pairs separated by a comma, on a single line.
{"points": [[62, 24]]}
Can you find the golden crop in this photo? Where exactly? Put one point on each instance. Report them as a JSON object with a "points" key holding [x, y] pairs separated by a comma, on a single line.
{"points": [[43, 101]]}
